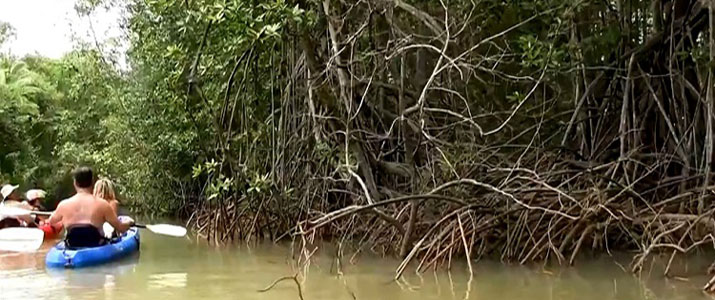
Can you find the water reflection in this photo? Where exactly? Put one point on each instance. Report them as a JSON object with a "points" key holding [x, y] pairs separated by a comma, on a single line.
{"points": [[167, 280], [177, 269], [99, 277], [17, 261]]}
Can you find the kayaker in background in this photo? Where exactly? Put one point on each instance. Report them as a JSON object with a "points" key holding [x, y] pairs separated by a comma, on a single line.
{"points": [[11, 198], [83, 214], [34, 197]]}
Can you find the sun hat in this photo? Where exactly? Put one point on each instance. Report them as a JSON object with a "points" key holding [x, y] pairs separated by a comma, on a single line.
{"points": [[7, 190], [35, 194]]}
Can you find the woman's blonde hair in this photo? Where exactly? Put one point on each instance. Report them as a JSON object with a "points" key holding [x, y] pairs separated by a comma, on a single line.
{"points": [[104, 189]]}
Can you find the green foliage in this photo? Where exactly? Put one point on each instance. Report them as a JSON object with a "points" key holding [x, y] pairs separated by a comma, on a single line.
{"points": [[171, 125], [24, 113], [56, 114], [259, 184], [6, 32], [183, 130]]}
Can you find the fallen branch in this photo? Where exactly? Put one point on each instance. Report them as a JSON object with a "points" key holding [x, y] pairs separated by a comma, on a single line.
{"points": [[294, 278]]}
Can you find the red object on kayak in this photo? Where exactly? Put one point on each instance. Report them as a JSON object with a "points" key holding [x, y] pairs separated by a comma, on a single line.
{"points": [[50, 231]]}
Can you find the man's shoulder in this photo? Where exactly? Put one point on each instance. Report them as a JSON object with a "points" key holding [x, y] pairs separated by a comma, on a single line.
{"points": [[67, 201], [70, 199]]}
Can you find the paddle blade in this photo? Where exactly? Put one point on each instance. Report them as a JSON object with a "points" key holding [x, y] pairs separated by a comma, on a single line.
{"points": [[166, 229], [8, 211], [21, 239], [14, 212]]}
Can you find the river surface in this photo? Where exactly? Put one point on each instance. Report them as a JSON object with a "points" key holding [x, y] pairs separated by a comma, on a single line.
{"points": [[184, 268]]}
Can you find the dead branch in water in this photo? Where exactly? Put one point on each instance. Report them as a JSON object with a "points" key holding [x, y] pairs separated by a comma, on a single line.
{"points": [[294, 278]]}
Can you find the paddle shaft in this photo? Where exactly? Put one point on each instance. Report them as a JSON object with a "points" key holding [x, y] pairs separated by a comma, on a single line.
{"points": [[16, 211], [164, 229]]}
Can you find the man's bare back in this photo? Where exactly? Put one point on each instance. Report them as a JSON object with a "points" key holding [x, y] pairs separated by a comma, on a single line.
{"points": [[84, 208]]}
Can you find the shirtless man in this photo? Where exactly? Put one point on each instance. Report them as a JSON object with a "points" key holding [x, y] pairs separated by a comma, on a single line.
{"points": [[83, 214]]}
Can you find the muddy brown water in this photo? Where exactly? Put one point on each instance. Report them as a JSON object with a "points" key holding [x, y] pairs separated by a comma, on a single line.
{"points": [[176, 269]]}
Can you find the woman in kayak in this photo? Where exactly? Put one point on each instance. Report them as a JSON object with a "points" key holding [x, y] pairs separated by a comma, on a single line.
{"points": [[104, 189]]}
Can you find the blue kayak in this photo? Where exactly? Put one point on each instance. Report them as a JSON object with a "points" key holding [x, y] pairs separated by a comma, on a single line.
{"points": [[61, 257]]}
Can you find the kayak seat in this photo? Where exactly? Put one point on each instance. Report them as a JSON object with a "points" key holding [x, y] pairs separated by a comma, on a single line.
{"points": [[80, 236]]}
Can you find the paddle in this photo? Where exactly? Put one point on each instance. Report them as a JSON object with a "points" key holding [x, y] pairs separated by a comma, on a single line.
{"points": [[9, 211], [164, 229], [21, 239]]}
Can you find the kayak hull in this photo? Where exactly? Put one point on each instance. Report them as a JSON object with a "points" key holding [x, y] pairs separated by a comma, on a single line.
{"points": [[61, 257]]}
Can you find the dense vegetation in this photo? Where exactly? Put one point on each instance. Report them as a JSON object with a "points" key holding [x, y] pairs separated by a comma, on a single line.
{"points": [[520, 129], [53, 117]]}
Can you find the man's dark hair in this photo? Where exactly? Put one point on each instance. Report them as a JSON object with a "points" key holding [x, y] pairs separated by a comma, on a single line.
{"points": [[83, 177]]}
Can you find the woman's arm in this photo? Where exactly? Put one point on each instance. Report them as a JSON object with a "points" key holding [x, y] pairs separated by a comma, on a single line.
{"points": [[114, 204], [111, 217]]}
